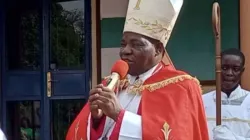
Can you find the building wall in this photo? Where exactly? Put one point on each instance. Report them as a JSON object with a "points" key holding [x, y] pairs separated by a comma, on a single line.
{"points": [[244, 40], [191, 45], [112, 14]]}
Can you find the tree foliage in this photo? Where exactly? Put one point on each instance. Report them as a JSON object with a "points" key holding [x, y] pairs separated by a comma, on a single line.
{"points": [[66, 38], [67, 29]]}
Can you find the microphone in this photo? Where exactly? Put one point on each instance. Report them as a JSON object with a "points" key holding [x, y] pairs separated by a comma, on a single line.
{"points": [[118, 72]]}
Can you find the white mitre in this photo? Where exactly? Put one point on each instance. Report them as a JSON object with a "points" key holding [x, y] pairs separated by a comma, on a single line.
{"points": [[154, 19]]}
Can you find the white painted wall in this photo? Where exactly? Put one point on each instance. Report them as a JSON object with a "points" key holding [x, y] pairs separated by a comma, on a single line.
{"points": [[109, 56], [111, 9]]}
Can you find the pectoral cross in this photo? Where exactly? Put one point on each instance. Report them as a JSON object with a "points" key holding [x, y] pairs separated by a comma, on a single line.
{"points": [[137, 6], [105, 138]]}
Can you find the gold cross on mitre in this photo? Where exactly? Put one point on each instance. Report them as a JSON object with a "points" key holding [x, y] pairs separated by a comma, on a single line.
{"points": [[137, 7]]}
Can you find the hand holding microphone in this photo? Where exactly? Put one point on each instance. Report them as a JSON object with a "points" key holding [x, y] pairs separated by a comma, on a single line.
{"points": [[102, 98], [93, 96]]}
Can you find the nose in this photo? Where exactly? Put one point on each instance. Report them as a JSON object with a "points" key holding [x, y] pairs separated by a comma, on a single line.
{"points": [[229, 72], [126, 50]]}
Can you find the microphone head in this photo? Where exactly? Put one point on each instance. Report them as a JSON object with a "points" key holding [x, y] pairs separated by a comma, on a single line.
{"points": [[121, 67]]}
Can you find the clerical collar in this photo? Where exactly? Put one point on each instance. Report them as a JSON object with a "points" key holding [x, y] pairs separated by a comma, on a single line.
{"points": [[144, 76]]}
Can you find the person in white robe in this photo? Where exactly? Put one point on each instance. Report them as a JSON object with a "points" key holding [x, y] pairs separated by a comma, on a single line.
{"points": [[235, 101]]}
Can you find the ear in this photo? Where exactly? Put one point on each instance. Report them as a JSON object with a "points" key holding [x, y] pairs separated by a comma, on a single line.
{"points": [[243, 69], [159, 48]]}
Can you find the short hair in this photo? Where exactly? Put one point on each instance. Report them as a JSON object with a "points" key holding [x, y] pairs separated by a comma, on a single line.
{"points": [[236, 52]]}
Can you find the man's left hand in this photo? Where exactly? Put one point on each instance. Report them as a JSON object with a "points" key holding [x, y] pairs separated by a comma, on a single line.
{"points": [[108, 103], [221, 132]]}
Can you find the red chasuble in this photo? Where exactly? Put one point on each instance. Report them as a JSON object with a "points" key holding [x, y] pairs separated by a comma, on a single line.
{"points": [[171, 108]]}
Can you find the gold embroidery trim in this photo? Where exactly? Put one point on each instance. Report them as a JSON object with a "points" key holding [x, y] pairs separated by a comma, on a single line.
{"points": [[230, 120], [161, 84], [154, 27], [76, 131], [166, 130]]}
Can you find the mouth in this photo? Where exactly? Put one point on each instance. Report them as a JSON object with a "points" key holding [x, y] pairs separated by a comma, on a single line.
{"points": [[228, 81], [128, 61]]}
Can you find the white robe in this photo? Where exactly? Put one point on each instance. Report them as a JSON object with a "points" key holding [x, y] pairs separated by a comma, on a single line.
{"points": [[2, 136], [235, 113], [130, 103]]}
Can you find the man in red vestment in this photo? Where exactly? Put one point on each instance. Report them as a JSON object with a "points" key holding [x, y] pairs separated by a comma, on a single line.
{"points": [[155, 101]]}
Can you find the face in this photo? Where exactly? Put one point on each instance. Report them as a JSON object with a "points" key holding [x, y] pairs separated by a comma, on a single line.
{"points": [[232, 69], [141, 53]]}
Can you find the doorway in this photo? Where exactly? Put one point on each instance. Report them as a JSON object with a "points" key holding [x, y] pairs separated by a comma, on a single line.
{"points": [[45, 66]]}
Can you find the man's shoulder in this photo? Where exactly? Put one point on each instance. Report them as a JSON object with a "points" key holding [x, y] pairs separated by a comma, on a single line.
{"points": [[246, 91], [177, 79], [172, 71], [208, 96], [185, 80]]}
